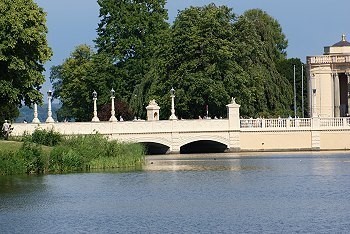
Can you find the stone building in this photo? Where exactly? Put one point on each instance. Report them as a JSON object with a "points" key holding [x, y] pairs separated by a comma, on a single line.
{"points": [[328, 80]]}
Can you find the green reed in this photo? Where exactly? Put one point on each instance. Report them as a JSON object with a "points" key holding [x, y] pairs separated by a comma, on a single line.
{"points": [[82, 153], [74, 153]]}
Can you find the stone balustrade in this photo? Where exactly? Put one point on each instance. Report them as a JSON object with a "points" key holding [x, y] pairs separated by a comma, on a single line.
{"points": [[327, 59], [260, 124]]}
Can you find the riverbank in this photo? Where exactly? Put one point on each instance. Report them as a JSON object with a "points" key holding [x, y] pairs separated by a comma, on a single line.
{"points": [[73, 154]]}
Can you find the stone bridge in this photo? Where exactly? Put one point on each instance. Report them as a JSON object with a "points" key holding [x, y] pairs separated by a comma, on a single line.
{"points": [[214, 135], [165, 136]]}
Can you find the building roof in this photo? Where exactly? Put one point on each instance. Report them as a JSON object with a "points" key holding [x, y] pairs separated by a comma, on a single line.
{"points": [[342, 43]]}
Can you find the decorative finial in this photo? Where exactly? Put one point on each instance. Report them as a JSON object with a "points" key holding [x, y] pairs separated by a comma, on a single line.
{"points": [[233, 100], [152, 103], [343, 37]]}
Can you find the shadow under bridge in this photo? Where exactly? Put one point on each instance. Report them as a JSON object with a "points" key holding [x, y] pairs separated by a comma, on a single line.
{"points": [[196, 146], [203, 146], [155, 148]]}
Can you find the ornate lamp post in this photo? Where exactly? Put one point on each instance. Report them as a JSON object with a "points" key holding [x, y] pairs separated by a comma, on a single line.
{"points": [[113, 118], [49, 112], [94, 98], [36, 119], [172, 95]]}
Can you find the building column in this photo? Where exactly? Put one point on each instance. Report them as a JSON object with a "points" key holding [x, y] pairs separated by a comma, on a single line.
{"points": [[336, 96], [348, 76]]}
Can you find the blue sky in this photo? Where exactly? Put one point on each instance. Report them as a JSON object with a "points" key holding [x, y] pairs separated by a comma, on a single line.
{"points": [[309, 25]]}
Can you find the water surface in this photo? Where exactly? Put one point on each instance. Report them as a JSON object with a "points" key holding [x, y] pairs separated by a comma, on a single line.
{"points": [[225, 193]]}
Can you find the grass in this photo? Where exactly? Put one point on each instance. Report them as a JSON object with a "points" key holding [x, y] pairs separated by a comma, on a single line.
{"points": [[10, 145]]}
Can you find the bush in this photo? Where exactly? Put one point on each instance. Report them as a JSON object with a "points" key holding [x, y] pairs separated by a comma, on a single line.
{"points": [[32, 155], [11, 163], [79, 153], [44, 137], [63, 159], [76, 153]]}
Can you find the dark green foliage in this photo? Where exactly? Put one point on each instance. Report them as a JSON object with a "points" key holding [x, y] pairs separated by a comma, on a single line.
{"points": [[214, 56], [23, 51], [131, 30], [45, 137], [76, 153], [33, 157], [208, 56], [66, 159], [74, 85], [262, 44], [11, 164], [269, 32], [200, 60], [82, 153], [286, 68], [129, 35]]}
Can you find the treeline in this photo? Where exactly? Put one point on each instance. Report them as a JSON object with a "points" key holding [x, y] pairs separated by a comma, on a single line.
{"points": [[48, 152], [207, 55]]}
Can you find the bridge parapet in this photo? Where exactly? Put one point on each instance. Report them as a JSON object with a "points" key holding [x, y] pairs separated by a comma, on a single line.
{"points": [[252, 134], [237, 134], [126, 127]]}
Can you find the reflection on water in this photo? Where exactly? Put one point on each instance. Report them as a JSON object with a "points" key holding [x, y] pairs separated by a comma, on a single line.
{"points": [[200, 165], [214, 193], [317, 162], [18, 184]]}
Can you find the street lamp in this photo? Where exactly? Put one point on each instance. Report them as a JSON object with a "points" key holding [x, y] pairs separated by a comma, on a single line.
{"points": [[113, 118], [94, 98], [49, 112], [172, 95]]}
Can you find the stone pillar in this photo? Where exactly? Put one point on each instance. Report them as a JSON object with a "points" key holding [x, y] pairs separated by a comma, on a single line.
{"points": [[234, 125], [36, 119], [315, 134], [152, 111], [233, 115], [175, 143], [336, 96]]}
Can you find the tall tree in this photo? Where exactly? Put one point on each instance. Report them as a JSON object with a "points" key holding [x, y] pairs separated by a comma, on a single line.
{"points": [[72, 84], [270, 33], [200, 64], [23, 51], [131, 32], [78, 76], [262, 46]]}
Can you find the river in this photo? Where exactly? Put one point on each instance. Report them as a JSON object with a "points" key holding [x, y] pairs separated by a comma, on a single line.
{"points": [[213, 193]]}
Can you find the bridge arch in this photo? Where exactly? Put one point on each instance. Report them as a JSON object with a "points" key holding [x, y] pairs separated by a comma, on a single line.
{"points": [[204, 144], [154, 145]]}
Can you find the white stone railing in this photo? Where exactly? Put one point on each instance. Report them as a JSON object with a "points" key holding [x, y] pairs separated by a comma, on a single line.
{"points": [[294, 123], [325, 59], [194, 126], [126, 127], [335, 122]]}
